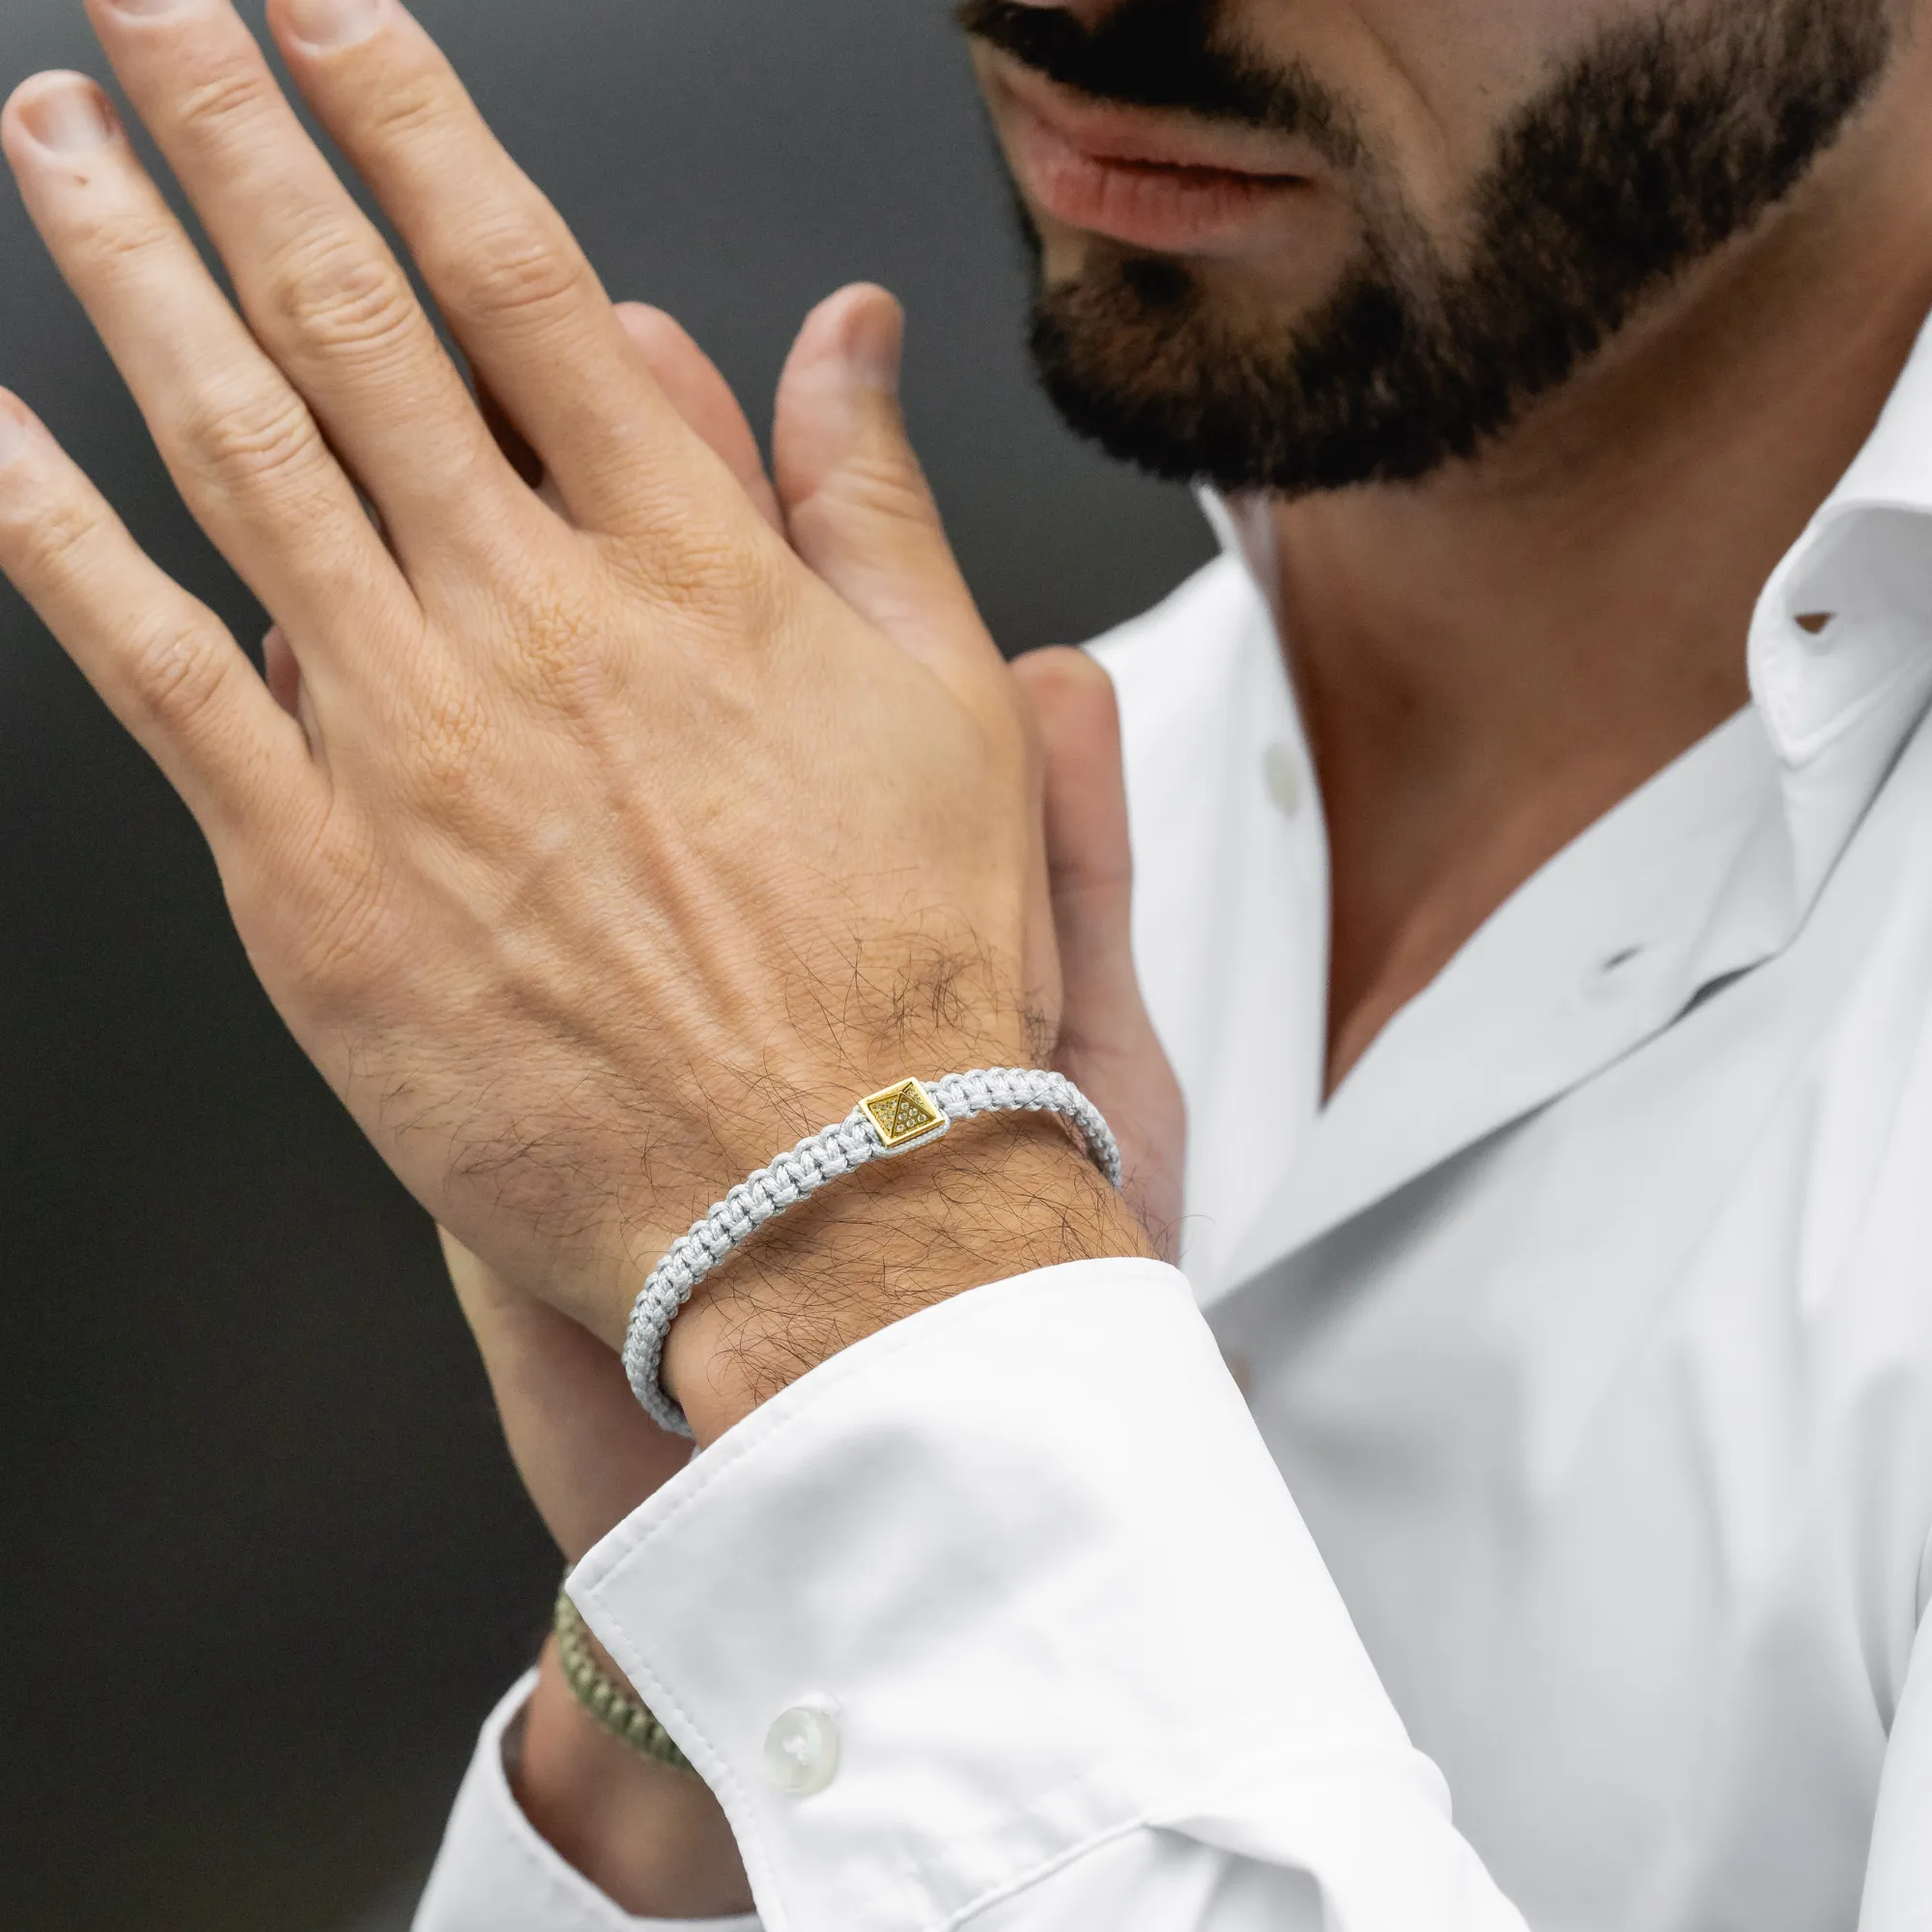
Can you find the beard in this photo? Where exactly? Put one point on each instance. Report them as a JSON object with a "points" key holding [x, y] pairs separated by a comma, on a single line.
{"points": [[1664, 140]]}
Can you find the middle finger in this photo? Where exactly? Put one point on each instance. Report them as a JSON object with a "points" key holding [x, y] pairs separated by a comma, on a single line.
{"points": [[323, 291]]}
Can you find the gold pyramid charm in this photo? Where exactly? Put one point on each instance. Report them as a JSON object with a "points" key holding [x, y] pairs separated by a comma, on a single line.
{"points": [[904, 1116]]}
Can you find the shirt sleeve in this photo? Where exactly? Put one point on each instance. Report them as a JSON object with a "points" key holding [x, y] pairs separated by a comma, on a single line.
{"points": [[1898, 1880], [496, 1873], [1005, 1618]]}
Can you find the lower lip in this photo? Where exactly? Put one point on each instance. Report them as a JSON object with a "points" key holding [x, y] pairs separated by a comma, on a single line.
{"points": [[1167, 211]]}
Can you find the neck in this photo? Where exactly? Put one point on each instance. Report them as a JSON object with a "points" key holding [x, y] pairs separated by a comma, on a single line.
{"points": [[1488, 662]]}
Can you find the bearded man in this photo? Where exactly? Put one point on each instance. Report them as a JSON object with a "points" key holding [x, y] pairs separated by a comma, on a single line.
{"points": [[1532, 813]]}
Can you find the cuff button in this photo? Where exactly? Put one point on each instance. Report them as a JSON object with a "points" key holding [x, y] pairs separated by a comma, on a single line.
{"points": [[801, 1750]]}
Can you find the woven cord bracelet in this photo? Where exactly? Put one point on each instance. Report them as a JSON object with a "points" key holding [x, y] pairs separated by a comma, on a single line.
{"points": [[895, 1120], [607, 1701]]}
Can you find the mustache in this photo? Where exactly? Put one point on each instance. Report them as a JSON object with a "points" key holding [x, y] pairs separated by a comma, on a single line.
{"points": [[1167, 55]]}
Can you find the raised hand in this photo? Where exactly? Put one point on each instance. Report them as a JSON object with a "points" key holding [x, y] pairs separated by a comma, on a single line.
{"points": [[588, 1452], [616, 841]]}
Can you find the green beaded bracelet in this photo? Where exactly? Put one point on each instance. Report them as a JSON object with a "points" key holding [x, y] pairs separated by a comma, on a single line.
{"points": [[610, 1704]]}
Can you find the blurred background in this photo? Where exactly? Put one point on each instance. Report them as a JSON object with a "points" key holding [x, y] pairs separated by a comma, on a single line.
{"points": [[263, 1562]]}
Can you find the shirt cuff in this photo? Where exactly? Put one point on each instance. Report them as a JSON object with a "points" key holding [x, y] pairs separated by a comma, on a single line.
{"points": [[1004, 1581], [497, 1874]]}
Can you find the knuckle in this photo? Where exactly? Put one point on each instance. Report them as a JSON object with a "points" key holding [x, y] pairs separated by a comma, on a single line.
{"points": [[563, 657], [340, 290], [882, 485], [575, 651], [520, 271], [230, 94], [715, 577], [447, 730], [120, 237], [51, 541], [409, 110], [178, 668], [246, 438]]}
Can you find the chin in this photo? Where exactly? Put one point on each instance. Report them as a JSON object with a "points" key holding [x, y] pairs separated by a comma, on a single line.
{"points": [[1264, 295], [1065, 254]]}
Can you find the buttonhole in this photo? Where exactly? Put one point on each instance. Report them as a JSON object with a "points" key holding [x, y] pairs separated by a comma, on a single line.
{"points": [[1619, 959], [1815, 623]]}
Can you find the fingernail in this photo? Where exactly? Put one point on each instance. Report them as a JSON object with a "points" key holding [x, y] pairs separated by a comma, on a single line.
{"points": [[69, 117], [334, 23], [12, 433], [144, 8]]}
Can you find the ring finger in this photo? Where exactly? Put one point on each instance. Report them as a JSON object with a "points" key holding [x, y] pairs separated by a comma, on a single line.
{"points": [[241, 445]]}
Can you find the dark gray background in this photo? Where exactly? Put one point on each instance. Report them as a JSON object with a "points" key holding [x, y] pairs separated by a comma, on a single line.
{"points": [[264, 1564]]}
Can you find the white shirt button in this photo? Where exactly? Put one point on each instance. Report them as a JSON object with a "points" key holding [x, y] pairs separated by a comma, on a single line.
{"points": [[1283, 773], [801, 1751]]}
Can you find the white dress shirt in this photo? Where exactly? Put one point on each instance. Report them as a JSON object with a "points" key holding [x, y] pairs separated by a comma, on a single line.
{"points": [[1584, 1470]]}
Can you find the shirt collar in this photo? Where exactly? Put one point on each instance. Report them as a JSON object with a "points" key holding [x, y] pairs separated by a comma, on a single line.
{"points": [[1564, 980], [1841, 651], [1842, 641]]}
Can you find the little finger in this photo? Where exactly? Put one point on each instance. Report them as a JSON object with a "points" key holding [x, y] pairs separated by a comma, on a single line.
{"points": [[163, 662]]}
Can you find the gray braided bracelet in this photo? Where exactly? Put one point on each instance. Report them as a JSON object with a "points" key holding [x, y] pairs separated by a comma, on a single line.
{"points": [[895, 1120]]}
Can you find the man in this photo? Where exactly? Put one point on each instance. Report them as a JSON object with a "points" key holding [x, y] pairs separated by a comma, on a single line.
{"points": [[1530, 814]]}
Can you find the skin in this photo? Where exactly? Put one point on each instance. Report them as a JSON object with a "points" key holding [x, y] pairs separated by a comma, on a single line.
{"points": [[443, 830], [1550, 642], [561, 1051], [572, 832]]}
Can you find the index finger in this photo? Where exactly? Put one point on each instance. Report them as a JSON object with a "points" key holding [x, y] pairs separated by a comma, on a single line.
{"points": [[516, 290]]}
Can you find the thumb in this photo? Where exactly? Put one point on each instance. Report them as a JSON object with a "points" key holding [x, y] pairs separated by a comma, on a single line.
{"points": [[1108, 1046], [856, 501]]}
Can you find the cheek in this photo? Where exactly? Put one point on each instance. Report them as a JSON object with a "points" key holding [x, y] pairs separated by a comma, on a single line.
{"points": [[1432, 82]]}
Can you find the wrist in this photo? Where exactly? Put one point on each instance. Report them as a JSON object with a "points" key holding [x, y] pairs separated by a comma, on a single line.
{"points": [[1001, 1195], [651, 1838]]}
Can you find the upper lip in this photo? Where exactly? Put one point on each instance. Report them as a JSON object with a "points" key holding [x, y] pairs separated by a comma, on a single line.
{"points": [[1136, 138]]}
